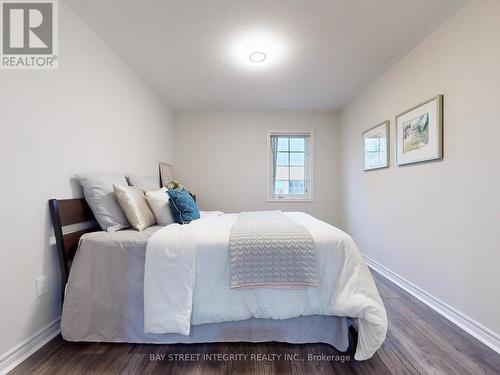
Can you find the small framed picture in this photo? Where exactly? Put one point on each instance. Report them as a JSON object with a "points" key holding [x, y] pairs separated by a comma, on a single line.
{"points": [[419, 132], [166, 174], [376, 147]]}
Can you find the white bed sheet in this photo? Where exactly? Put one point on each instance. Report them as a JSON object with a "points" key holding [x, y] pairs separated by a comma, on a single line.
{"points": [[186, 282]]}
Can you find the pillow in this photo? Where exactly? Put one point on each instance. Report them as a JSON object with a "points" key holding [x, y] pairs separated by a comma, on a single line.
{"points": [[133, 203], [144, 183], [158, 202], [98, 192], [183, 207]]}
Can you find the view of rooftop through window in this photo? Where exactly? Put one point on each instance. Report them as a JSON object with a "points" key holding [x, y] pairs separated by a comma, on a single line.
{"points": [[290, 155]]}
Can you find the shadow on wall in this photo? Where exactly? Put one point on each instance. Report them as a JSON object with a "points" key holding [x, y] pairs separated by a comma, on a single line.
{"points": [[76, 188]]}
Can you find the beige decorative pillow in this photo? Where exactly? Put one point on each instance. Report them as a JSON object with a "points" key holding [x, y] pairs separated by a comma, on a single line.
{"points": [[135, 206]]}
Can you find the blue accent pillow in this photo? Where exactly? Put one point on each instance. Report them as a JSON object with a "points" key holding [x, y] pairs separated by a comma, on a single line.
{"points": [[183, 206]]}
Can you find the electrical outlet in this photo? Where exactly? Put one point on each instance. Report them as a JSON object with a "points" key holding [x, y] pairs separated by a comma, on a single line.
{"points": [[42, 285]]}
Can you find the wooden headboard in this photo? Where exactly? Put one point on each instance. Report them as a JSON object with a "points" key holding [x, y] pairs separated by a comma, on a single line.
{"points": [[66, 212]]}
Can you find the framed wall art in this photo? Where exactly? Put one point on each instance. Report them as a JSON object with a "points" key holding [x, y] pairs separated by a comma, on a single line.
{"points": [[419, 132], [376, 147]]}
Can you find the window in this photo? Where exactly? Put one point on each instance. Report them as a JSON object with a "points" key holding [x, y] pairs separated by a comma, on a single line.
{"points": [[290, 166]]}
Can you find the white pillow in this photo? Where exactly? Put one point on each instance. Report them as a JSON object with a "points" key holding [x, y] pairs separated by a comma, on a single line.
{"points": [[99, 194], [159, 204], [144, 183]]}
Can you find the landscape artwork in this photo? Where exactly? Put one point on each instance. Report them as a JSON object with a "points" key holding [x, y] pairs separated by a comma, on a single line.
{"points": [[419, 133], [376, 147], [416, 133]]}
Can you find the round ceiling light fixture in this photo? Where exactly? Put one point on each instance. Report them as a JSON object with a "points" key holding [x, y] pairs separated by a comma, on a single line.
{"points": [[257, 57], [257, 50]]}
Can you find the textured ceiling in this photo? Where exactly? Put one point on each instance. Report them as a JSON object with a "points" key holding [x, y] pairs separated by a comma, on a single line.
{"points": [[321, 52]]}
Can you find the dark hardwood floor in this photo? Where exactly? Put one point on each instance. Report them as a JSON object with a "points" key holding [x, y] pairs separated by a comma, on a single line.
{"points": [[419, 341]]}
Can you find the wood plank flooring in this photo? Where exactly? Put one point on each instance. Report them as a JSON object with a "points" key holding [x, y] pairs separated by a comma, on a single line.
{"points": [[419, 341]]}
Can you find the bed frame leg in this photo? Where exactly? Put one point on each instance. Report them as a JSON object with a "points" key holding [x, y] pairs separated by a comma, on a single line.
{"points": [[353, 340]]}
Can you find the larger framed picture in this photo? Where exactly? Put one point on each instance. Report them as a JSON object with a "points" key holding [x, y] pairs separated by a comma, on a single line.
{"points": [[419, 132], [376, 147]]}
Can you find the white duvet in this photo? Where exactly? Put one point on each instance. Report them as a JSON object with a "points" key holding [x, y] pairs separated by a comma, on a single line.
{"points": [[186, 282]]}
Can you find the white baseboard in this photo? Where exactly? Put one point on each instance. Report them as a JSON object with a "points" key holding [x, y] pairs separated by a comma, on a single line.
{"points": [[476, 329], [22, 351]]}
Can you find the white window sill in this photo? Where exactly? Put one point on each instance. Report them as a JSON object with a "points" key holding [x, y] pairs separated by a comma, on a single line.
{"points": [[290, 200]]}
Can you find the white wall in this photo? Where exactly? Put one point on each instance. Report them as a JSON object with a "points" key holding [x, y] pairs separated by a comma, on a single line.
{"points": [[223, 157], [91, 115], [436, 224]]}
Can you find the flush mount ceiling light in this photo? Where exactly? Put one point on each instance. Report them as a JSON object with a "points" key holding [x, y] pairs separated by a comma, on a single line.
{"points": [[257, 57], [257, 50]]}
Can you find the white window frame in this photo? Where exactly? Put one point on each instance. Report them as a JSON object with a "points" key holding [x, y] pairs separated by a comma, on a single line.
{"points": [[309, 170]]}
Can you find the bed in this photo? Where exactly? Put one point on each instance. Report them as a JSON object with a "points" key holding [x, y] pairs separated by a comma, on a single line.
{"points": [[104, 297]]}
